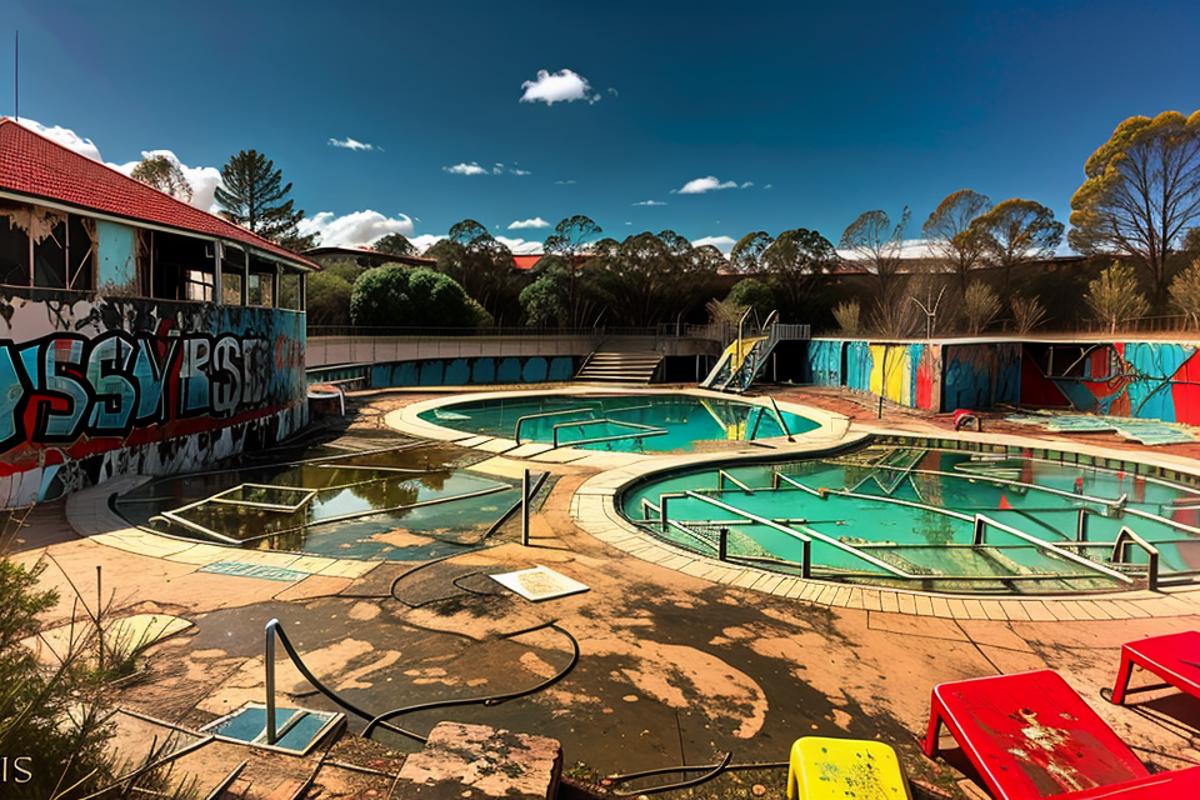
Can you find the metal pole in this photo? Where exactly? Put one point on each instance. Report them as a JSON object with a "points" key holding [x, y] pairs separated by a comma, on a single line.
{"points": [[270, 681], [525, 507], [1081, 526], [723, 545]]}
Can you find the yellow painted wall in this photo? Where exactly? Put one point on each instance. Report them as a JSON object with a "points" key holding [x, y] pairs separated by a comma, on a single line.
{"points": [[890, 372]]}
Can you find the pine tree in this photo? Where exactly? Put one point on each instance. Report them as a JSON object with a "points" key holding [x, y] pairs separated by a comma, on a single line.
{"points": [[252, 194]]}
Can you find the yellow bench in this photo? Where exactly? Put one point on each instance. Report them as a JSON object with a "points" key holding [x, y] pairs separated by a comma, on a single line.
{"points": [[838, 769]]}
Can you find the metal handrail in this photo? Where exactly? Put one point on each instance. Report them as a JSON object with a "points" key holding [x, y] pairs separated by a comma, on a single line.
{"points": [[650, 430], [521, 420], [982, 521], [804, 538], [723, 476], [1127, 537]]}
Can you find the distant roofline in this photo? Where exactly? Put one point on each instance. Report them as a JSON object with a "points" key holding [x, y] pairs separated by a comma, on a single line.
{"points": [[365, 252]]}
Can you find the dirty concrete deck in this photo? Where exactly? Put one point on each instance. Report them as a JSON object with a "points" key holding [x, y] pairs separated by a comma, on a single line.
{"points": [[673, 668]]}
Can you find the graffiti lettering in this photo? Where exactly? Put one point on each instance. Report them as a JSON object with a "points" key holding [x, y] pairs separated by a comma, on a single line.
{"points": [[65, 385]]}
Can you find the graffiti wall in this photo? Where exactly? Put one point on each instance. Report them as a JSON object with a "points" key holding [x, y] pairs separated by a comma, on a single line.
{"points": [[980, 375], [1148, 380], [101, 386], [472, 371], [908, 374]]}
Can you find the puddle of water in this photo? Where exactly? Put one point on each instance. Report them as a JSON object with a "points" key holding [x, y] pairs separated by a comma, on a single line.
{"points": [[427, 500]]}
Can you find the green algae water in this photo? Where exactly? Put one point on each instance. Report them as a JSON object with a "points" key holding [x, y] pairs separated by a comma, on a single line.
{"points": [[619, 423]]}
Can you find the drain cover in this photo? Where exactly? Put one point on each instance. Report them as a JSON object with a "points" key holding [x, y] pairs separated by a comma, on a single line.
{"points": [[539, 583], [297, 729]]}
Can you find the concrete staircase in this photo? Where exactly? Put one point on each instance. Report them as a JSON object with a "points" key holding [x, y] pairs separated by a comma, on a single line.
{"points": [[607, 366]]}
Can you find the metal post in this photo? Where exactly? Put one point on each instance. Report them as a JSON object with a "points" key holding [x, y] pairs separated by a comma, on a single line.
{"points": [[525, 508], [1081, 534], [723, 544], [662, 512], [270, 668]]}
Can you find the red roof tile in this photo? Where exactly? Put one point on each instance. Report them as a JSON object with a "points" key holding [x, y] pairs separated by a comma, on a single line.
{"points": [[31, 164]]}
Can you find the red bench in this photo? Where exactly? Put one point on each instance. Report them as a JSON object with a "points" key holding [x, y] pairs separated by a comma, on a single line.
{"points": [[1175, 658], [1030, 736]]}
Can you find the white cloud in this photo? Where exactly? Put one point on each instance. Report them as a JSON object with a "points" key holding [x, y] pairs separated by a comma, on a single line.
{"points": [[425, 241], [768, 186], [466, 169], [746, 184], [705, 184], [569, 182], [650, 203], [515, 171], [355, 229], [564, 86], [722, 243], [532, 222], [351, 144], [520, 246], [66, 137], [203, 180]]}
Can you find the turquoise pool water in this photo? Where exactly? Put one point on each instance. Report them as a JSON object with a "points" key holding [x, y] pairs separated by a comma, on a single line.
{"points": [[408, 504], [621, 423], [907, 514]]}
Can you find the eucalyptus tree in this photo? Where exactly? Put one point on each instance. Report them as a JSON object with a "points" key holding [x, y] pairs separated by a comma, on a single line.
{"points": [[567, 248], [878, 245], [1018, 231], [793, 263], [163, 174], [747, 254], [952, 235], [1141, 193]]}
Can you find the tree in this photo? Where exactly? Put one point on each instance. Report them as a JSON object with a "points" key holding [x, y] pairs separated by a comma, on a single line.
{"points": [[1028, 313], [1114, 296], [545, 302], [953, 237], [980, 306], [163, 174], [792, 263], [848, 314], [746, 256], [1141, 193], [481, 264], [1185, 293], [567, 245], [1016, 232], [396, 295], [753, 293], [878, 245], [252, 194], [328, 296], [395, 244], [650, 278]]}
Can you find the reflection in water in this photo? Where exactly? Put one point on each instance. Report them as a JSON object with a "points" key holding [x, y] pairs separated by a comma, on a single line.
{"points": [[410, 503]]}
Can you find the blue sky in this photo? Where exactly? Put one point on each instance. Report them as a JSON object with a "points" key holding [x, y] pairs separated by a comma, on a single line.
{"points": [[837, 109]]}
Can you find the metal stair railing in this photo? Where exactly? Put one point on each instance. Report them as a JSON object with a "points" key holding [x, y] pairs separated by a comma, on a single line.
{"points": [[983, 522]]}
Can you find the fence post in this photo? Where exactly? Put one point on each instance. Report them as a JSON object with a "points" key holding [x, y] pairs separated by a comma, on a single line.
{"points": [[272, 735], [723, 544], [1081, 526], [525, 508]]}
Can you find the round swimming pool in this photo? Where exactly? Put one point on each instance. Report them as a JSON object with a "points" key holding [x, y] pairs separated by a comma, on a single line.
{"points": [[632, 423], [910, 513]]}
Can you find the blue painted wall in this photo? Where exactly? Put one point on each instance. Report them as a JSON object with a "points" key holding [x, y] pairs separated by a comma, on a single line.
{"points": [[483, 370]]}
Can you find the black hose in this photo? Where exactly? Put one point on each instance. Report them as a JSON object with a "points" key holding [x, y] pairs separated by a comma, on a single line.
{"points": [[333, 696], [486, 700], [710, 771]]}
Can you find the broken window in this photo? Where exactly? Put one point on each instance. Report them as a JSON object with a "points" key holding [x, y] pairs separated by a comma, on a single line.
{"points": [[233, 265], [183, 268], [81, 252], [260, 290], [289, 291], [14, 250]]}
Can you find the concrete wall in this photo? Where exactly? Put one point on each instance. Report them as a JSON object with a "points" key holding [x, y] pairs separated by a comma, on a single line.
{"points": [[332, 350], [933, 376], [97, 386], [1144, 379], [473, 371]]}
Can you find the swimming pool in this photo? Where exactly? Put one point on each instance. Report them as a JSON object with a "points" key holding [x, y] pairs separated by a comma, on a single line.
{"points": [[910, 513], [411, 502], [632, 423]]}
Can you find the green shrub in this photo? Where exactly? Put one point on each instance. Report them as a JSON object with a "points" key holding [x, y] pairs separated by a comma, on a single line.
{"points": [[980, 306], [1185, 293], [752, 293], [1115, 297], [395, 295]]}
